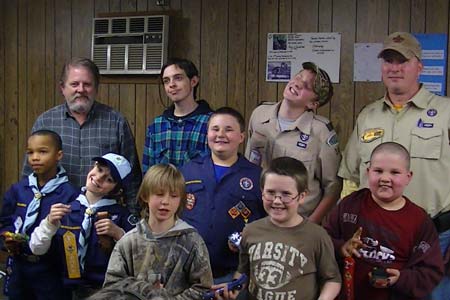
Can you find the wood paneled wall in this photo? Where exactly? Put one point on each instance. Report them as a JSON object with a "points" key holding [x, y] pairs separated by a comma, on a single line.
{"points": [[226, 39]]}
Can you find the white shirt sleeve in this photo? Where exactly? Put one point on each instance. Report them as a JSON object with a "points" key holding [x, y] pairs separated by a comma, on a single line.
{"points": [[41, 238]]}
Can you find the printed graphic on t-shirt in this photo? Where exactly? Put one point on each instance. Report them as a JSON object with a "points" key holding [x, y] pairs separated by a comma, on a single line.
{"points": [[376, 252], [274, 264]]}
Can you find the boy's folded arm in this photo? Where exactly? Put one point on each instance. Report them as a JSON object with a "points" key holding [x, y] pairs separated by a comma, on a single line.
{"points": [[41, 238], [425, 267]]}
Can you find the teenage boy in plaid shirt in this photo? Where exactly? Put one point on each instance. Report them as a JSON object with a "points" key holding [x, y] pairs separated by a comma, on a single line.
{"points": [[180, 132]]}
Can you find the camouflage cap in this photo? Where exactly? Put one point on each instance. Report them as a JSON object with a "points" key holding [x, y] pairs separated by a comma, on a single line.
{"points": [[404, 43], [322, 83]]}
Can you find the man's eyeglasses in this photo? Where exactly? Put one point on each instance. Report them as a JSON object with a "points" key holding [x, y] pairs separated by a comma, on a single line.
{"points": [[284, 197]]}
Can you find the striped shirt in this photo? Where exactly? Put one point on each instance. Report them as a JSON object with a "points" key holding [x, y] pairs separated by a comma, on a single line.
{"points": [[105, 130], [170, 139]]}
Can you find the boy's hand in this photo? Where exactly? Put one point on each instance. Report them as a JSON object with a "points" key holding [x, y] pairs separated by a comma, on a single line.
{"points": [[227, 295], [13, 242], [107, 227], [351, 246], [232, 247], [57, 212], [392, 279]]}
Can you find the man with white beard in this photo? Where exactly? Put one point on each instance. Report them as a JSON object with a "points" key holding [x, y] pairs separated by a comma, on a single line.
{"points": [[89, 128]]}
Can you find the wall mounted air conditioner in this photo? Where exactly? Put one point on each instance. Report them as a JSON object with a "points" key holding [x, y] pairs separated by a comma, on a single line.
{"points": [[130, 45]]}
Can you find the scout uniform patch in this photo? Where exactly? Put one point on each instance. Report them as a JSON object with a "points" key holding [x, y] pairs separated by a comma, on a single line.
{"points": [[240, 209], [246, 183], [190, 201], [431, 112], [332, 140], [422, 124], [234, 212], [18, 224], [304, 137], [372, 134], [255, 157]]}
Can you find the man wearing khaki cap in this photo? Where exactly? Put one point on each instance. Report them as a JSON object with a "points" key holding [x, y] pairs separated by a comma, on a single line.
{"points": [[290, 128], [417, 119]]}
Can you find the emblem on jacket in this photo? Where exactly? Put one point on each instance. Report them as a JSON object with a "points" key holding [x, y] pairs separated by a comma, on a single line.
{"points": [[372, 134], [246, 183], [190, 201]]}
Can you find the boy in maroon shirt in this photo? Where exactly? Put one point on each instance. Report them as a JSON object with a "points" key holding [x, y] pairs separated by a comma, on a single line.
{"points": [[396, 236]]}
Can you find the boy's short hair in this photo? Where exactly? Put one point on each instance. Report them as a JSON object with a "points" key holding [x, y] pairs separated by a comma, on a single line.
{"points": [[56, 139], [186, 65], [287, 166], [161, 178], [226, 110], [78, 62], [393, 148]]}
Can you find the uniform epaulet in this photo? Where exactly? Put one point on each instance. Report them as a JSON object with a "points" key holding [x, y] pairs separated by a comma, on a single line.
{"points": [[267, 103], [325, 121]]}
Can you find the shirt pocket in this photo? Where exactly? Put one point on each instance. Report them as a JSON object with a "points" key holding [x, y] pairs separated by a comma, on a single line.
{"points": [[426, 143]]}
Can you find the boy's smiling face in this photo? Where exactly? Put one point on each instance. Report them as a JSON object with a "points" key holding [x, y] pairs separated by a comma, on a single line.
{"points": [[99, 180], [224, 135], [282, 214], [388, 176], [300, 90]]}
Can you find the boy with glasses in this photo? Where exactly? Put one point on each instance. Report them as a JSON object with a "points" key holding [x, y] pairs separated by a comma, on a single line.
{"points": [[285, 255]]}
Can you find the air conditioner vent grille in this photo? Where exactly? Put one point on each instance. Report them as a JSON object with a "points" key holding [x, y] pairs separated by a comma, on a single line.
{"points": [[101, 56], [119, 25], [153, 57], [137, 25], [117, 58], [135, 57], [155, 24], [101, 26]]}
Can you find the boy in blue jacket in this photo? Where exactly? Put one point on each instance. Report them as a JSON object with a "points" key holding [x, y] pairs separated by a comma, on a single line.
{"points": [[25, 204], [223, 191]]}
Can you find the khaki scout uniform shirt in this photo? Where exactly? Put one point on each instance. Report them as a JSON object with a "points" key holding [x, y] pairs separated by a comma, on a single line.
{"points": [[422, 127], [311, 140]]}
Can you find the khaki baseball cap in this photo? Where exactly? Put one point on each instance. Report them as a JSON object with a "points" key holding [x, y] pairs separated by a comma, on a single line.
{"points": [[404, 43], [322, 83]]}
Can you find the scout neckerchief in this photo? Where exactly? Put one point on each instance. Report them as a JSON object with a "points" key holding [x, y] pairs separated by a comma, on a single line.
{"points": [[35, 204], [86, 226]]}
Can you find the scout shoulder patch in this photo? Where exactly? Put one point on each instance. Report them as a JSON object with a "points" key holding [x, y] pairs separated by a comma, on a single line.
{"points": [[190, 201], [332, 140], [371, 134]]}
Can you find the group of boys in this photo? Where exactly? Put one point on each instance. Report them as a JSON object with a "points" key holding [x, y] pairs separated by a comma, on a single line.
{"points": [[286, 255]]}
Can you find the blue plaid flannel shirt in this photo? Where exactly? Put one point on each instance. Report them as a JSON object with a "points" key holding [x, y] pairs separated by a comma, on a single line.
{"points": [[177, 140]]}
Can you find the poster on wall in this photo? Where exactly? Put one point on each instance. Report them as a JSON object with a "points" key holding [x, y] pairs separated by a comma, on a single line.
{"points": [[287, 51], [366, 64], [434, 59]]}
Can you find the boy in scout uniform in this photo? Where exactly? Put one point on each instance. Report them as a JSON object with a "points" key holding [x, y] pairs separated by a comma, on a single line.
{"points": [[417, 119], [291, 128], [223, 191]]}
